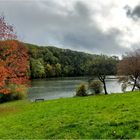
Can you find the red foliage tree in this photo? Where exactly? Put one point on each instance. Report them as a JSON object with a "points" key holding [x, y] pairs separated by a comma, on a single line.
{"points": [[129, 69], [13, 58], [3, 76], [13, 64]]}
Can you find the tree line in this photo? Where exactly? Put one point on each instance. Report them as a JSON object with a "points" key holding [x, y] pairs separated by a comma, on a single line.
{"points": [[55, 62]]}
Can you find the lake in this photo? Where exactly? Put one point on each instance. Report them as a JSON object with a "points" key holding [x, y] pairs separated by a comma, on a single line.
{"points": [[64, 87]]}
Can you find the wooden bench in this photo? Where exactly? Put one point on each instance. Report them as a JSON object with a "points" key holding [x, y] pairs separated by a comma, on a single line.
{"points": [[39, 99]]}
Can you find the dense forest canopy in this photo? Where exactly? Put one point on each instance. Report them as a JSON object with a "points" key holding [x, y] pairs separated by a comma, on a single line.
{"points": [[55, 62]]}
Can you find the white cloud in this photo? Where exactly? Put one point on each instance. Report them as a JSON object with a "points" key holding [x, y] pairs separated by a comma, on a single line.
{"points": [[111, 14]]}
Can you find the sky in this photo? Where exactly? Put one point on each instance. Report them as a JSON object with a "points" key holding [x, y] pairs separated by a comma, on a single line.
{"points": [[109, 27]]}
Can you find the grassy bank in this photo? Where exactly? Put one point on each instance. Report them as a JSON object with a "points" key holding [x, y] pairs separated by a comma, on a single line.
{"points": [[112, 116]]}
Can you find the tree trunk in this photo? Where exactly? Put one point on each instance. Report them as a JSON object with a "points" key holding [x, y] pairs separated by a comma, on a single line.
{"points": [[102, 79], [135, 81], [105, 87]]}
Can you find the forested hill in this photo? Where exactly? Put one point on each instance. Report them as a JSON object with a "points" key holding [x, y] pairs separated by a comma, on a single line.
{"points": [[56, 62]]}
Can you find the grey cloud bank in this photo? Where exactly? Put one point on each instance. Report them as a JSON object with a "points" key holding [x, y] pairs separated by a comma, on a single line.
{"points": [[72, 26], [133, 13]]}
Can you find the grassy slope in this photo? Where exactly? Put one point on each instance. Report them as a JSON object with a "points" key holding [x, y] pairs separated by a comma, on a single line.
{"points": [[112, 116]]}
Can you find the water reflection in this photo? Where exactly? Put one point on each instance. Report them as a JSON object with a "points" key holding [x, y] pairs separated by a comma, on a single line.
{"points": [[65, 87]]}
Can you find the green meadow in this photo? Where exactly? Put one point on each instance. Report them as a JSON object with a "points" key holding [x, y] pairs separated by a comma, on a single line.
{"points": [[104, 116]]}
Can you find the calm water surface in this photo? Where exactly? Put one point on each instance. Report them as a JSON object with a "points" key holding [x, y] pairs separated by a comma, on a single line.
{"points": [[65, 87]]}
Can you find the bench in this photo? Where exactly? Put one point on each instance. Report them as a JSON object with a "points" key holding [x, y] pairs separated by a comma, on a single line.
{"points": [[39, 99]]}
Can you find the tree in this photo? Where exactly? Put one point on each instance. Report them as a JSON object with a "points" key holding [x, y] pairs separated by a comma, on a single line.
{"points": [[37, 68], [128, 69], [50, 70], [58, 69], [3, 76], [102, 67], [6, 30], [13, 64]]}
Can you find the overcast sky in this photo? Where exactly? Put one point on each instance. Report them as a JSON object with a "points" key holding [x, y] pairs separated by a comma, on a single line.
{"points": [[96, 26]]}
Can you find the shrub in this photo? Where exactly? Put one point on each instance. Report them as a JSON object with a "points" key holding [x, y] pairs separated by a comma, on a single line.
{"points": [[123, 87], [17, 92], [95, 86], [81, 90]]}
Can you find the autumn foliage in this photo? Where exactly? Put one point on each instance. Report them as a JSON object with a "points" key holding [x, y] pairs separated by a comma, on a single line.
{"points": [[13, 64], [129, 69], [13, 60]]}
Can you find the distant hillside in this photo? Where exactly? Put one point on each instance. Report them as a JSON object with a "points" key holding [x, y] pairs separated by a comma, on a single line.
{"points": [[55, 62]]}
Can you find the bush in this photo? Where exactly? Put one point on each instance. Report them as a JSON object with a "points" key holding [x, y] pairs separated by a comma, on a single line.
{"points": [[81, 90], [95, 86], [17, 92], [123, 87]]}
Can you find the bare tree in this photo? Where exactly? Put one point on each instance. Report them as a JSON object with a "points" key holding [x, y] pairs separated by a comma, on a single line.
{"points": [[6, 30]]}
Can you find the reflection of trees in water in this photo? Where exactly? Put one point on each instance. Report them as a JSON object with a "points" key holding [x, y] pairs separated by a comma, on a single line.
{"points": [[64, 88]]}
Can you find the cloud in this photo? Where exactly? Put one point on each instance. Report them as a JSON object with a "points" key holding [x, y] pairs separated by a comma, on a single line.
{"points": [[90, 26], [133, 13]]}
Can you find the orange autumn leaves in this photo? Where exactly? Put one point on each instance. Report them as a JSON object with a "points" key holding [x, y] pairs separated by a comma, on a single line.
{"points": [[13, 64], [3, 75]]}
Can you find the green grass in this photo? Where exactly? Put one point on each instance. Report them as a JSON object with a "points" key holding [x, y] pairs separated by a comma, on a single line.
{"points": [[112, 116]]}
